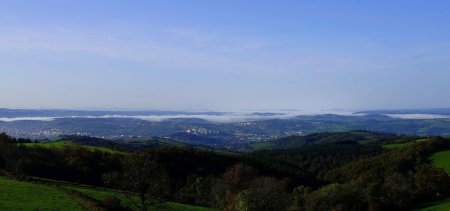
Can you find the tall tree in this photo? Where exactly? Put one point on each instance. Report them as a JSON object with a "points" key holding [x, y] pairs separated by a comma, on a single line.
{"points": [[143, 181]]}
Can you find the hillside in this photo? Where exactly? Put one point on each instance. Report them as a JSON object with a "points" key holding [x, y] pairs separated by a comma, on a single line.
{"points": [[323, 173], [224, 134], [17, 195], [132, 143], [326, 137], [54, 196], [67, 144], [441, 160]]}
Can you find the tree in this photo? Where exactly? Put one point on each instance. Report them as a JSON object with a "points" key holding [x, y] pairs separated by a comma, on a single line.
{"points": [[9, 154], [264, 193], [143, 181], [237, 178], [338, 197]]}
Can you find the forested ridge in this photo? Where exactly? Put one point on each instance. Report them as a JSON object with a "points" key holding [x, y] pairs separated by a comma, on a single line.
{"points": [[336, 174]]}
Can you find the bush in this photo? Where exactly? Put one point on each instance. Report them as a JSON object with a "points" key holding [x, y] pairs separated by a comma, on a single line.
{"points": [[112, 203]]}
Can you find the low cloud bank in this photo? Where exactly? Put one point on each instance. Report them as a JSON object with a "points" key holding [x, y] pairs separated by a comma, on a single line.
{"points": [[219, 118], [225, 118], [418, 116], [13, 119]]}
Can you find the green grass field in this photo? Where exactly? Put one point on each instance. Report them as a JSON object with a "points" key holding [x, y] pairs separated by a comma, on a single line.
{"points": [[397, 146], [94, 193], [439, 206], [401, 145], [441, 160], [62, 144], [100, 194], [17, 195]]}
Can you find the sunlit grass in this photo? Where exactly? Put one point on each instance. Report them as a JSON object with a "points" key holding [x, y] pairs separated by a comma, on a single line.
{"points": [[63, 144], [441, 160], [18, 195]]}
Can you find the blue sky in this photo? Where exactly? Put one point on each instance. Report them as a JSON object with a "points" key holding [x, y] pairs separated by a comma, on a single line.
{"points": [[225, 55]]}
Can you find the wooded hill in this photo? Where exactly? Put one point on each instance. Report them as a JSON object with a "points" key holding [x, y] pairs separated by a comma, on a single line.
{"points": [[329, 171]]}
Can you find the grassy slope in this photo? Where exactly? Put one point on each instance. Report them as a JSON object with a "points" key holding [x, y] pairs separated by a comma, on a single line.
{"points": [[100, 194], [396, 146], [442, 160], [440, 206], [62, 144], [17, 195], [401, 145], [328, 137]]}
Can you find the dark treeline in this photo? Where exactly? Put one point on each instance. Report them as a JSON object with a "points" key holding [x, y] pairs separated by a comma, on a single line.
{"points": [[333, 137], [344, 175], [394, 180], [92, 141], [316, 159], [72, 163]]}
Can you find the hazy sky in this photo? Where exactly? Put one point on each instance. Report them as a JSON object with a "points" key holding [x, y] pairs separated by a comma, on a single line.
{"points": [[225, 54]]}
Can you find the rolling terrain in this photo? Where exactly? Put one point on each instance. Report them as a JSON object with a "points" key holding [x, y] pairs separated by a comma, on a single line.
{"points": [[51, 196], [17, 195], [440, 160], [213, 129], [319, 171]]}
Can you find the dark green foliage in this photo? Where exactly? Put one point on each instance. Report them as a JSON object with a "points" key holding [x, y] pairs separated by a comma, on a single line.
{"points": [[75, 164], [143, 181], [334, 174], [181, 163], [112, 203], [317, 159], [8, 153], [403, 160], [92, 141], [239, 177], [398, 179], [207, 191], [358, 136], [72, 163], [263, 194], [340, 197], [330, 137]]}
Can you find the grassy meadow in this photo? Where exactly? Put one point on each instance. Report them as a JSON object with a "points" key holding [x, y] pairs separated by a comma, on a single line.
{"points": [[100, 194], [18, 195], [63, 144], [441, 160], [397, 145], [439, 206]]}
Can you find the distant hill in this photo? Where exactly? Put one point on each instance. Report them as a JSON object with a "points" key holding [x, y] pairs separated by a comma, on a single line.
{"points": [[195, 139], [326, 137], [225, 134], [90, 141], [327, 171], [135, 144]]}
